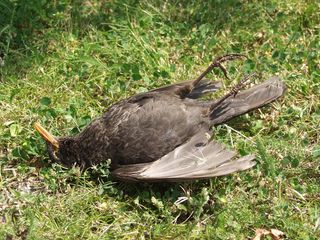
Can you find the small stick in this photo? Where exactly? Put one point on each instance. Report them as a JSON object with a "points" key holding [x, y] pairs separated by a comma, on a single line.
{"points": [[242, 135]]}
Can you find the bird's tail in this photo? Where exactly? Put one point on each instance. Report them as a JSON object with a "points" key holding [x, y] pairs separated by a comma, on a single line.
{"points": [[196, 159], [247, 100]]}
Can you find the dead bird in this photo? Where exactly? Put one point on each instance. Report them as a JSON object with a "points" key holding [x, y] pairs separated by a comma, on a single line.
{"points": [[161, 135]]}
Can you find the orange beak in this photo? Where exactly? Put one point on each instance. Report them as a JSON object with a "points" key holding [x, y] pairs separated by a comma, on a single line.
{"points": [[46, 135]]}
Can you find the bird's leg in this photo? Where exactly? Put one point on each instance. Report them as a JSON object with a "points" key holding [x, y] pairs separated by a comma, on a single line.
{"points": [[234, 91], [217, 62]]}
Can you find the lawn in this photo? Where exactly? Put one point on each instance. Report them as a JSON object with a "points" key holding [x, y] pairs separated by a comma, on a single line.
{"points": [[63, 63]]}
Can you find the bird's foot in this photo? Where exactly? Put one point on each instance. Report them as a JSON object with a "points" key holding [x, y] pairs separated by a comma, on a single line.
{"points": [[217, 63], [234, 91], [243, 82]]}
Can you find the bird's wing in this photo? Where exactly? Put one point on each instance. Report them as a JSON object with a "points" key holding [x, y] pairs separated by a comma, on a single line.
{"points": [[196, 159], [203, 87]]}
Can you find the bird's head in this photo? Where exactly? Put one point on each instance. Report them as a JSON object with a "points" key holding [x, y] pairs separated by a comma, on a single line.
{"points": [[62, 150]]}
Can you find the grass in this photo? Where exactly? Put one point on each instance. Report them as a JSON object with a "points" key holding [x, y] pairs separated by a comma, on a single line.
{"points": [[65, 62]]}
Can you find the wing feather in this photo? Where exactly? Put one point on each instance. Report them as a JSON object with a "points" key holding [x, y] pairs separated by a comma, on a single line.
{"points": [[196, 159]]}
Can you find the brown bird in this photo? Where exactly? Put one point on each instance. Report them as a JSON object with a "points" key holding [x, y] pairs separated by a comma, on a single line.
{"points": [[161, 135]]}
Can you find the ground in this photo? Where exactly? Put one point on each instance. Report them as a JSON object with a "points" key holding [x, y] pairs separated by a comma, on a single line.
{"points": [[64, 62]]}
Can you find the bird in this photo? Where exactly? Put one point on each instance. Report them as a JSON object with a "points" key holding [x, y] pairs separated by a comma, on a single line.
{"points": [[162, 135]]}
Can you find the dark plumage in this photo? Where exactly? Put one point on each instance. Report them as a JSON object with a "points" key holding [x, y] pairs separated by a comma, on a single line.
{"points": [[160, 135]]}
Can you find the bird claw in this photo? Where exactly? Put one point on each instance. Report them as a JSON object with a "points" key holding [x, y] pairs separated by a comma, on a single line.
{"points": [[243, 82], [217, 62], [234, 91], [229, 57], [224, 70]]}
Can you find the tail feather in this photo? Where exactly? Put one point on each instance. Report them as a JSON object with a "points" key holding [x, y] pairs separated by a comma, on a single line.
{"points": [[248, 100], [196, 159]]}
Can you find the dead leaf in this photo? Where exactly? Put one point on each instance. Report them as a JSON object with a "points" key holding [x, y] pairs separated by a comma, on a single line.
{"points": [[259, 233], [274, 233]]}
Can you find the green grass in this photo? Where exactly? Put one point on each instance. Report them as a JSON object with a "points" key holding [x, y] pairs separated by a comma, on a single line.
{"points": [[66, 61]]}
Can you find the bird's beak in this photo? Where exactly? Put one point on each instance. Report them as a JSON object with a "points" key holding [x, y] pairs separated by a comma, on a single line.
{"points": [[46, 135]]}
